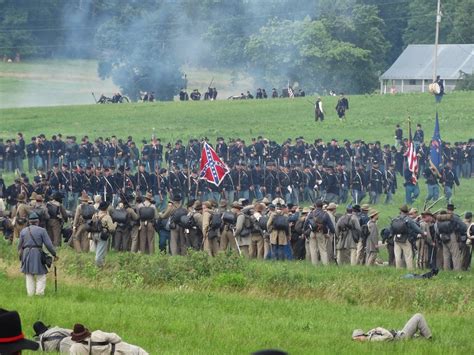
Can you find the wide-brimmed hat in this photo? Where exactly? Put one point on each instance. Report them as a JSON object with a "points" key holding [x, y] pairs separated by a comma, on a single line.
{"points": [[427, 213], [266, 201], [33, 196], [197, 205], [148, 196], [373, 212], [79, 333], [21, 197], [223, 203], [365, 207], [177, 197], [331, 207], [84, 197], [306, 210], [237, 205], [12, 339], [207, 204], [39, 198], [404, 209], [39, 328], [33, 216], [413, 210]]}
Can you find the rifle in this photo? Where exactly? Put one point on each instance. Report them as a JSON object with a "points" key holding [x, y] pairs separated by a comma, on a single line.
{"points": [[138, 178], [124, 177], [55, 280], [212, 80], [94, 97], [189, 180], [158, 183]]}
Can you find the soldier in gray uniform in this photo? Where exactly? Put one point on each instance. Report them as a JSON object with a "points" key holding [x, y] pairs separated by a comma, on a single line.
{"points": [[32, 239]]}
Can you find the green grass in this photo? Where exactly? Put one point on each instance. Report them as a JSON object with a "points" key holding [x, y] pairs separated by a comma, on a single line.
{"points": [[210, 307]]}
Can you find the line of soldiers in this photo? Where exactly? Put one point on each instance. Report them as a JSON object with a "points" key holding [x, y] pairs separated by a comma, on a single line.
{"points": [[264, 230], [296, 172]]}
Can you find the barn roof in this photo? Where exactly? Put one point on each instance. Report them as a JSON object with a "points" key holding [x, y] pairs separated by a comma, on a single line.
{"points": [[416, 62]]}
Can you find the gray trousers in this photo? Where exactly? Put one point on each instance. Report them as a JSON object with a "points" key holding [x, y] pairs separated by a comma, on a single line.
{"points": [[100, 250], [452, 254], [415, 324]]}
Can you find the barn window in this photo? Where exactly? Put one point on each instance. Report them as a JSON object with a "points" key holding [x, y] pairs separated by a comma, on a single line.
{"points": [[412, 82]]}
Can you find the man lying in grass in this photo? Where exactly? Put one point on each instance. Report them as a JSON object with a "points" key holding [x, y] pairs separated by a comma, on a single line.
{"points": [[415, 324]]}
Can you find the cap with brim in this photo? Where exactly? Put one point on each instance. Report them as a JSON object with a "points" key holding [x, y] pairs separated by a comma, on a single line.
{"points": [[365, 207], [404, 209], [306, 210], [12, 339], [427, 213], [357, 333]]}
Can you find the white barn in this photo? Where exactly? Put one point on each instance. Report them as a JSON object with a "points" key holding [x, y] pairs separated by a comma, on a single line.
{"points": [[413, 70]]}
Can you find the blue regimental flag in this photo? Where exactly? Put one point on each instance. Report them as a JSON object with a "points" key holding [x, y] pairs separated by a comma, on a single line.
{"points": [[435, 149]]}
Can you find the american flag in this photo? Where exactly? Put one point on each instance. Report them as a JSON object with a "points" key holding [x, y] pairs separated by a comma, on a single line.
{"points": [[412, 158], [212, 168], [291, 94]]}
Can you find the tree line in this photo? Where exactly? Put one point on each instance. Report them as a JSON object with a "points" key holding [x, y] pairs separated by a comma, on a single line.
{"points": [[317, 44]]}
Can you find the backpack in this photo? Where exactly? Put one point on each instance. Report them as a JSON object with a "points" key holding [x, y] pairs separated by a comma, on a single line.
{"points": [[187, 221], [445, 227], [39, 211], [229, 218], [399, 226], [87, 212], [364, 231], [120, 216], [317, 223], [247, 228], [216, 221], [146, 213], [94, 224], [177, 214], [53, 210], [280, 222], [400, 229], [298, 228], [262, 222]]}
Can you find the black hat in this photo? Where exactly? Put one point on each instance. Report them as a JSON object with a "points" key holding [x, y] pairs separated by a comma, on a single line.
{"points": [[177, 197], [79, 333], [468, 215], [450, 207], [39, 327], [12, 339], [319, 203], [103, 206]]}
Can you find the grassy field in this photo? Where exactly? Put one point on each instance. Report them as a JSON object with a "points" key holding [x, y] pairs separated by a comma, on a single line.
{"points": [[70, 82], [229, 305]]}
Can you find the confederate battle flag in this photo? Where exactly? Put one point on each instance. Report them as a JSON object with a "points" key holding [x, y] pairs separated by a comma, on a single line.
{"points": [[212, 168]]}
